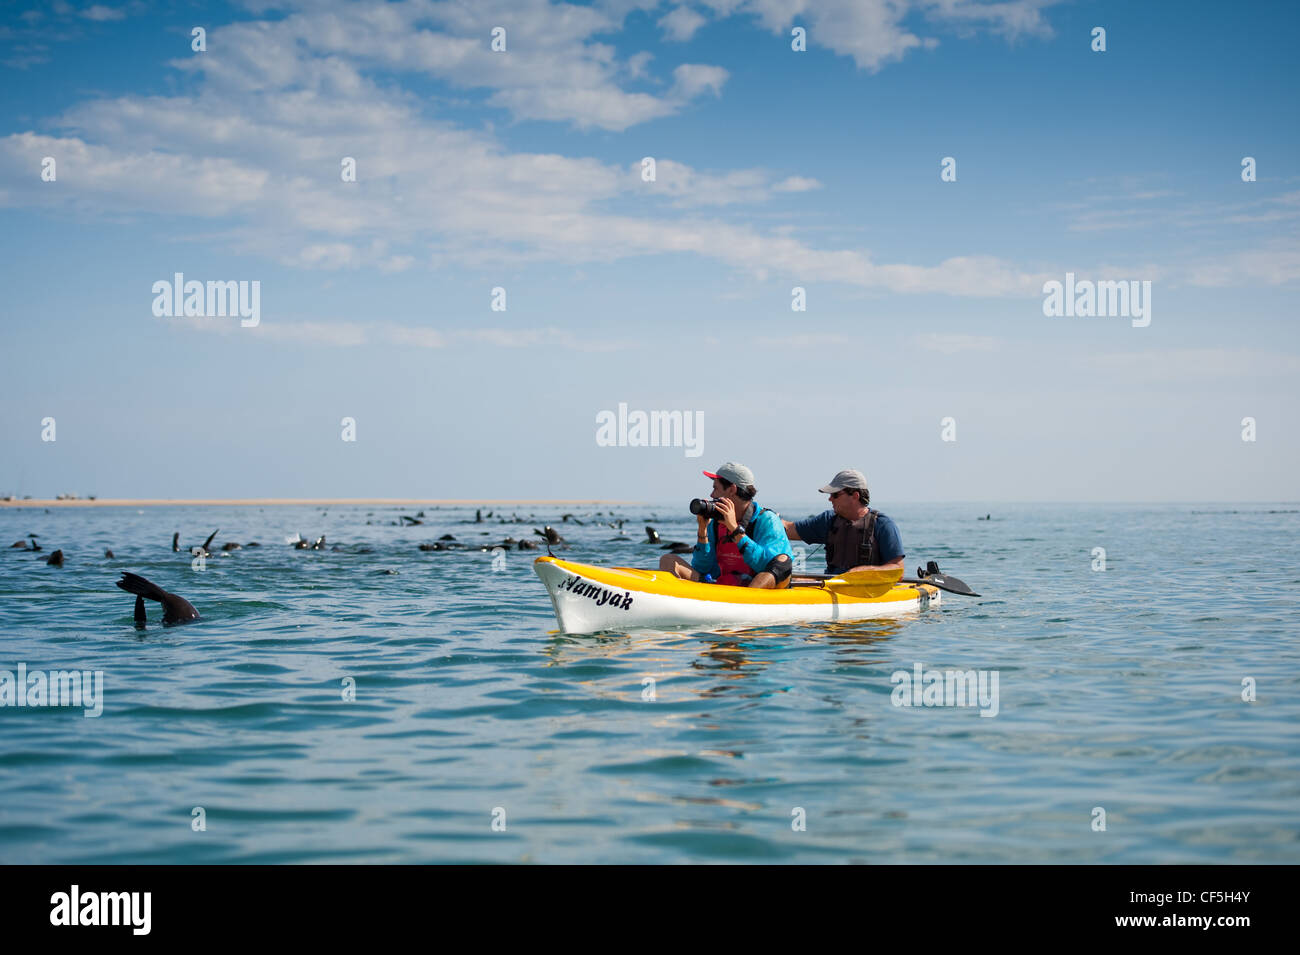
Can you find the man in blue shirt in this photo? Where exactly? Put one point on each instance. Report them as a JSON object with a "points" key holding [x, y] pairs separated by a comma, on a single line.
{"points": [[856, 536]]}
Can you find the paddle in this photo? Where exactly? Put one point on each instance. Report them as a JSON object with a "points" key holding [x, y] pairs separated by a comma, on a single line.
{"points": [[932, 575], [875, 583], [944, 582], [863, 578]]}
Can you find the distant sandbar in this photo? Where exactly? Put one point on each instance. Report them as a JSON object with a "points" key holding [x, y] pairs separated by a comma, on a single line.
{"points": [[305, 501]]}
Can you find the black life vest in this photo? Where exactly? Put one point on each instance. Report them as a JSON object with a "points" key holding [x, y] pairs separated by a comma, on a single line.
{"points": [[852, 543]]}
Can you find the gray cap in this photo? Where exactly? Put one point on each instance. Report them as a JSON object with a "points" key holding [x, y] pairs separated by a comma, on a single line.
{"points": [[845, 479], [734, 472]]}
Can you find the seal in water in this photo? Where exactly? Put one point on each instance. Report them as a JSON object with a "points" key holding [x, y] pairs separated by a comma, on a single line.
{"points": [[204, 551], [175, 609], [55, 559], [176, 542]]}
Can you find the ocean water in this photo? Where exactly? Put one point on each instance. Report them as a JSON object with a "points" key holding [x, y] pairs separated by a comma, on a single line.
{"points": [[1119, 692]]}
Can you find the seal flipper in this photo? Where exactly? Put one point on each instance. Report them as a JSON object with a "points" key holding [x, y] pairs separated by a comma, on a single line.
{"points": [[135, 584], [139, 613], [175, 609]]}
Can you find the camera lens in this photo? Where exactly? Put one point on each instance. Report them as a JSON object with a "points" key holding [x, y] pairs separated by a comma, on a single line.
{"points": [[704, 506]]}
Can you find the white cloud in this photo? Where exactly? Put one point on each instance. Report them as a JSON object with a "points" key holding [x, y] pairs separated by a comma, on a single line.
{"points": [[1138, 209], [1192, 364], [1273, 263], [680, 23], [796, 184], [355, 334], [692, 79], [339, 334], [686, 186], [256, 152], [872, 31], [638, 64], [102, 13], [552, 68]]}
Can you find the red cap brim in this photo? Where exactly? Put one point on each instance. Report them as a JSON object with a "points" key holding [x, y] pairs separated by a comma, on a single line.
{"points": [[709, 475]]}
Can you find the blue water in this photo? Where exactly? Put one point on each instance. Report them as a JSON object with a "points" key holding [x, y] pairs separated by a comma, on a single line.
{"points": [[1118, 689]]}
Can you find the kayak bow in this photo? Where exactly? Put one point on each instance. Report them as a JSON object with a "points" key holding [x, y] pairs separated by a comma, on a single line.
{"points": [[588, 599]]}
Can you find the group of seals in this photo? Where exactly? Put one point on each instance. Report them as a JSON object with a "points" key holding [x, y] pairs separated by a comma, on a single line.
{"points": [[178, 610], [54, 560]]}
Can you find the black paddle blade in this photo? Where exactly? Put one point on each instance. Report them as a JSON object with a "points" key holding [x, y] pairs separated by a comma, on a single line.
{"points": [[943, 582]]}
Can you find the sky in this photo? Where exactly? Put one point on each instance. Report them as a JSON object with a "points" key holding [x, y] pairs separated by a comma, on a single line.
{"points": [[922, 354]]}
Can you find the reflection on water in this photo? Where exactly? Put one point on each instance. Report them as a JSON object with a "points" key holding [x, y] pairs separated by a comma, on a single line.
{"points": [[857, 641]]}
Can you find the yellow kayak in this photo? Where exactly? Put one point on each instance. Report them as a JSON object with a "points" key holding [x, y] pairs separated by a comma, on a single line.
{"points": [[588, 599]]}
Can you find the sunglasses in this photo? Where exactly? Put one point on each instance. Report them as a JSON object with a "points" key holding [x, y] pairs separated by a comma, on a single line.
{"points": [[835, 494]]}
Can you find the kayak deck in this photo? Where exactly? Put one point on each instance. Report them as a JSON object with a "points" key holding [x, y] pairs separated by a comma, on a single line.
{"points": [[588, 599]]}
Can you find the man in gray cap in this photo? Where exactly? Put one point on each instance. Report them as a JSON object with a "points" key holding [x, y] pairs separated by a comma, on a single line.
{"points": [[750, 549], [856, 536]]}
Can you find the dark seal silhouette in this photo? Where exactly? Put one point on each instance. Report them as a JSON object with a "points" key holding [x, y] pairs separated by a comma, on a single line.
{"points": [[175, 609], [205, 550], [55, 559]]}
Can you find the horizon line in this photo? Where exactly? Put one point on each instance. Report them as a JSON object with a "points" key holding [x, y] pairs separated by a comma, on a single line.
{"points": [[494, 502], [283, 501]]}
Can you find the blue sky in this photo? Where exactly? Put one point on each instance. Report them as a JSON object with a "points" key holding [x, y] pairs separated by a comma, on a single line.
{"points": [[775, 169]]}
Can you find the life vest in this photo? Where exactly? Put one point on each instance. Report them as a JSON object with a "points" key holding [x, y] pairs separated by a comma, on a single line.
{"points": [[732, 568], [852, 543]]}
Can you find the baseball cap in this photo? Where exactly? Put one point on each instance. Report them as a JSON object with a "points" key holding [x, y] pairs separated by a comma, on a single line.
{"points": [[734, 472], [850, 478]]}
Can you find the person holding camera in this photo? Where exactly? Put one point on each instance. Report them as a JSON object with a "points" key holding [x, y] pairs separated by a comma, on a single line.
{"points": [[856, 536], [738, 543]]}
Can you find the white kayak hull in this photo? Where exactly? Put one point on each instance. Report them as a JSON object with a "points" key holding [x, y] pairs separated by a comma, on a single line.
{"points": [[589, 599]]}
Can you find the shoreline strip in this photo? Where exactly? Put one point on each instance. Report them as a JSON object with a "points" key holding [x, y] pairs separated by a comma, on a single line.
{"points": [[305, 501]]}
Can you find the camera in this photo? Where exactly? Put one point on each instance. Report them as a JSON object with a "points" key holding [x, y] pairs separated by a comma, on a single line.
{"points": [[704, 506]]}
